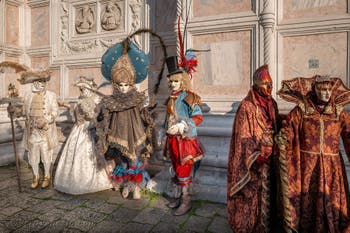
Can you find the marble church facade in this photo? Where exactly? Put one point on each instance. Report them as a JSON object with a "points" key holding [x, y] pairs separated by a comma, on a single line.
{"points": [[294, 37]]}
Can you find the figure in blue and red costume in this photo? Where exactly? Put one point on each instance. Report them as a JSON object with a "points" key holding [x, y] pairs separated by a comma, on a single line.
{"points": [[182, 145]]}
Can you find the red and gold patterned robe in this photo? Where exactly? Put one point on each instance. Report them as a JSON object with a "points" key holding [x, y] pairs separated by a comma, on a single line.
{"points": [[314, 183], [248, 181]]}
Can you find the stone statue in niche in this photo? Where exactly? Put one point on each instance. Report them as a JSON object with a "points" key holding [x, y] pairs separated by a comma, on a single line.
{"points": [[85, 20], [110, 17]]}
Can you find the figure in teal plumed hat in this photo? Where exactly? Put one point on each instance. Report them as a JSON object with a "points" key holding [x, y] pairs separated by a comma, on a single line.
{"points": [[124, 124]]}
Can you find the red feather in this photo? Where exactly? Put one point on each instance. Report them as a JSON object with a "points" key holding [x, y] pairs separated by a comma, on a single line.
{"points": [[182, 53]]}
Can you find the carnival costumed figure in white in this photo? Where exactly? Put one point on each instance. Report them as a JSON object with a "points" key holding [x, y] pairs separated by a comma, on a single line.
{"points": [[124, 124], [78, 171], [40, 137]]}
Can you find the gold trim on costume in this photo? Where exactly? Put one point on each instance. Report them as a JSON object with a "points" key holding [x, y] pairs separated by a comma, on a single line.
{"points": [[124, 144], [246, 178], [190, 157], [319, 153]]}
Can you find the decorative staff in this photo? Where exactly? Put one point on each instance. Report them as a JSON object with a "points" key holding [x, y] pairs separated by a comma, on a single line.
{"points": [[13, 100]]}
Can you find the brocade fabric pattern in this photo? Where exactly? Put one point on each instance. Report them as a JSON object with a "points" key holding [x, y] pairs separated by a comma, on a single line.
{"points": [[316, 193], [313, 179], [248, 182]]}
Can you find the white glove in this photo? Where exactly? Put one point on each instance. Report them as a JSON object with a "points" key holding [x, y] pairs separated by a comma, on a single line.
{"points": [[173, 130], [181, 126], [178, 128]]}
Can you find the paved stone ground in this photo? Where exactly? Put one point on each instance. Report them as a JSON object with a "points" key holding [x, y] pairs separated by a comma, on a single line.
{"points": [[46, 210]]}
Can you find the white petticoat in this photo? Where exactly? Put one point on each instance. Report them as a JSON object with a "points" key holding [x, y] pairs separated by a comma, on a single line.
{"points": [[77, 171]]}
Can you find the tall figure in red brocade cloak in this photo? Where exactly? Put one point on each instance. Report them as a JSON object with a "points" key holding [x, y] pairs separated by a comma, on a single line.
{"points": [[250, 158], [314, 183]]}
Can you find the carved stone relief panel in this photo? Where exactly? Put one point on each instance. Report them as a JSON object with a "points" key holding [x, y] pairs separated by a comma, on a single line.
{"points": [[85, 19], [225, 69], [84, 25], [87, 28], [112, 16], [203, 8], [309, 55], [296, 9]]}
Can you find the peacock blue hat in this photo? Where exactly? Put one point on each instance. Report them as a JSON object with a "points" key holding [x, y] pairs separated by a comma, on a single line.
{"points": [[137, 57]]}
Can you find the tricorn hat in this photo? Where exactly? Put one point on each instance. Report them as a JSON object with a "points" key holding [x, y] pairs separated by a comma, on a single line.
{"points": [[31, 76], [86, 82]]}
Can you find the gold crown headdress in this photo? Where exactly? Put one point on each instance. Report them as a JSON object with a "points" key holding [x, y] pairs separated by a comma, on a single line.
{"points": [[123, 71]]}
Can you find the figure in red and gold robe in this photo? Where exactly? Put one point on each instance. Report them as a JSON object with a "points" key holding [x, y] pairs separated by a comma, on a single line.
{"points": [[314, 183], [250, 160]]}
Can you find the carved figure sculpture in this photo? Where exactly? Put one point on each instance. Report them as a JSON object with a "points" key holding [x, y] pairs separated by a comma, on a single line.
{"points": [[85, 20], [111, 17]]}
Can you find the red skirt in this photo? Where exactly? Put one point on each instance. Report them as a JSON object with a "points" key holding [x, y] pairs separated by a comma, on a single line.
{"points": [[183, 152]]}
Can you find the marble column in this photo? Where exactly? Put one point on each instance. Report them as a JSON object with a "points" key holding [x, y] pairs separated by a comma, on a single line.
{"points": [[268, 22]]}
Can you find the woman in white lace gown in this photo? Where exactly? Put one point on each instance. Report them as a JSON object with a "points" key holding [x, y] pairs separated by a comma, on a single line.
{"points": [[78, 171]]}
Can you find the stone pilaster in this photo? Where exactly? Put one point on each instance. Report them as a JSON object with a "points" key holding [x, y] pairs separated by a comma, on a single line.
{"points": [[268, 22]]}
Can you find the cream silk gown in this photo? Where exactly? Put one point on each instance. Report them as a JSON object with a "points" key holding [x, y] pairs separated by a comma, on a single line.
{"points": [[78, 171]]}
